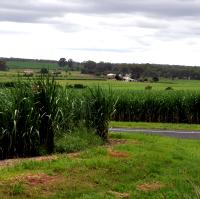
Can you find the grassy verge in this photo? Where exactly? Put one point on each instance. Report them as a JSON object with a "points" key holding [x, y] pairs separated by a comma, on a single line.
{"points": [[136, 166], [149, 125]]}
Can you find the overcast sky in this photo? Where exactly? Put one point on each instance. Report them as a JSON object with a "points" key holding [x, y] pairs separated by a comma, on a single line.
{"points": [[142, 31]]}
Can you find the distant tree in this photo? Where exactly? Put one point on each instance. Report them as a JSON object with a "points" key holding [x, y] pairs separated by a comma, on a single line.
{"points": [[136, 72], [70, 63], [3, 65], [89, 67], [62, 62], [44, 71], [155, 79], [119, 77]]}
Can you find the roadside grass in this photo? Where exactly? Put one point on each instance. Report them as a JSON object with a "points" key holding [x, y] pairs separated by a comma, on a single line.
{"points": [[79, 139], [134, 166], [151, 125]]}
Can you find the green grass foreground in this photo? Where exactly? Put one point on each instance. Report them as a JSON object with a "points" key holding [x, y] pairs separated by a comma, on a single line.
{"points": [[152, 125], [134, 166]]}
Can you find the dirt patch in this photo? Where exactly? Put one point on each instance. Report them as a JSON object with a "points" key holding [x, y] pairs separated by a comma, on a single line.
{"points": [[117, 141], [114, 142], [117, 154], [11, 162], [135, 142], [38, 179], [120, 195], [45, 158], [146, 187], [74, 155]]}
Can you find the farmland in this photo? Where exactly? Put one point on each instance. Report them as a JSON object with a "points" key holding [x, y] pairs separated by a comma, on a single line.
{"points": [[21, 64], [40, 116], [75, 77]]}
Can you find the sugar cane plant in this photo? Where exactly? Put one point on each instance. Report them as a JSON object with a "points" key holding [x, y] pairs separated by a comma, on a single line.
{"points": [[99, 109]]}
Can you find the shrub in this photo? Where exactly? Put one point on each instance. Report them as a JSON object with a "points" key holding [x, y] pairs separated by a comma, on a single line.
{"points": [[148, 87], [44, 71], [79, 86], [155, 79], [169, 88]]}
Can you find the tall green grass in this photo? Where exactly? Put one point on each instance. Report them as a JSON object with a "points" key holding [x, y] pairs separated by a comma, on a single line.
{"points": [[19, 135], [159, 106], [35, 113], [99, 107]]}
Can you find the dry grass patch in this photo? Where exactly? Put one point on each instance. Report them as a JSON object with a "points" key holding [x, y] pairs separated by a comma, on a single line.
{"points": [[119, 195], [38, 179], [114, 142], [117, 154], [74, 155], [12, 162], [147, 187]]}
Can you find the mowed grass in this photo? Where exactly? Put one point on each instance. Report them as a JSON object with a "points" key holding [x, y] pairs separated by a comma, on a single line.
{"points": [[136, 166], [152, 125]]}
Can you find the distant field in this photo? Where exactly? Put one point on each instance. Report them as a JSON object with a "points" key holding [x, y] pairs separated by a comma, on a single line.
{"points": [[75, 77], [162, 85], [30, 64]]}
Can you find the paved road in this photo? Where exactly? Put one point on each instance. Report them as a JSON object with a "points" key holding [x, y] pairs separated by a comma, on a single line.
{"points": [[171, 133]]}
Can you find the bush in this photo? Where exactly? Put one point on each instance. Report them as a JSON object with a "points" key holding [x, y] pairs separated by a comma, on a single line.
{"points": [[44, 71], [79, 86], [169, 88], [155, 79], [7, 84], [148, 87], [76, 86]]}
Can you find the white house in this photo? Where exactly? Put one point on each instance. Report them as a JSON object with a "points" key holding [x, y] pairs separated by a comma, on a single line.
{"points": [[128, 79], [111, 76]]}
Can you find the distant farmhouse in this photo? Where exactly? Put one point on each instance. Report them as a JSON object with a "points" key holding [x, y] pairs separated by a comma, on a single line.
{"points": [[111, 76], [125, 78], [28, 73]]}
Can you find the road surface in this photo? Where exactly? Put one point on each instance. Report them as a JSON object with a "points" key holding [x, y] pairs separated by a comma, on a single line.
{"points": [[172, 133]]}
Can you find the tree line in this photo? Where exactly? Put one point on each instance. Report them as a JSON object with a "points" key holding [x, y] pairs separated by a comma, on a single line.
{"points": [[138, 71]]}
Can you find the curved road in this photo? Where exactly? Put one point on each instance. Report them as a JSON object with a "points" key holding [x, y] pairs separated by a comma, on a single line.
{"points": [[172, 133]]}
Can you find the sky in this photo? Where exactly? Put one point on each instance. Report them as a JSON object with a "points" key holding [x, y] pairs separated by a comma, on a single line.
{"points": [[119, 31]]}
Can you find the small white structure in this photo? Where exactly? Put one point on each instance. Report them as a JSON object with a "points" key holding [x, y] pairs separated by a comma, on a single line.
{"points": [[128, 79], [28, 72], [111, 76]]}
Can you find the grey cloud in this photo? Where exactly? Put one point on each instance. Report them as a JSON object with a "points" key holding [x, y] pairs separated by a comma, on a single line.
{"points": [[35, 11]]}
